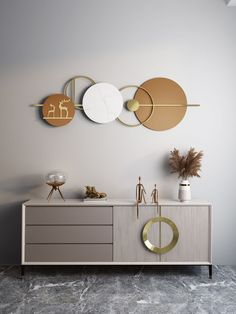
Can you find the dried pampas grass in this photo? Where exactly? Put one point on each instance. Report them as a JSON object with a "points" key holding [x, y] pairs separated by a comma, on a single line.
{"points": [[186, 166]]}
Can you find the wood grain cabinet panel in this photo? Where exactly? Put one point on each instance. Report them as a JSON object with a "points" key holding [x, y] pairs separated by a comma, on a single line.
{"points": [[68, 234], [193, 223], [128, 244], [54, 215]]}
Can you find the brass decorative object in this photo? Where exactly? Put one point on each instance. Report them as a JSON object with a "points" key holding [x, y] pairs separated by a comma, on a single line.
{"points": [[91, 192], [55, 179], [132, 106], [159, 103], [140, 191], [153, 248], [154, 196], [72, 83]]}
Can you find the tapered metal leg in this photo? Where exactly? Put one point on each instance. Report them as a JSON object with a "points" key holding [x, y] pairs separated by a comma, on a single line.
{"points": [[210, 271], [50, 195], [61, 194]]}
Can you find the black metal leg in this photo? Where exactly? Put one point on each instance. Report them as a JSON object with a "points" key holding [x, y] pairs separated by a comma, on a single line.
{"points": [[210, 271], [22, 270]]}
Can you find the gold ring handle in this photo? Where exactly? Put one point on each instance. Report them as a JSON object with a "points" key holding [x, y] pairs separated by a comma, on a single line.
{"points": [[167, 248]]}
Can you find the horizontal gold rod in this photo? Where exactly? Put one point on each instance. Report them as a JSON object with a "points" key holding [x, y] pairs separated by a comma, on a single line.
{"points": [[57, 118], [159, 105], [169, 105], [142, 105]]}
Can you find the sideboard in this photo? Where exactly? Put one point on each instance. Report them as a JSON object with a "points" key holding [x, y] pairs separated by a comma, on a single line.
{"points": [[77, 232]]}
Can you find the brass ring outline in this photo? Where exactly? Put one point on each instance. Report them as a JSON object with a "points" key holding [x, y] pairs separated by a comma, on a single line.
{"points": [[149, 117], [167, 248], [72, 81]]}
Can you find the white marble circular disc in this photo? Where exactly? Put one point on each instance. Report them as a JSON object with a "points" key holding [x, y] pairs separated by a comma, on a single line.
{"points": [[102, 102]]}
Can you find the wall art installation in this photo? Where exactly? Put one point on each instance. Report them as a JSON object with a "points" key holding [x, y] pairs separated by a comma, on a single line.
{"points": [[158, 104]]}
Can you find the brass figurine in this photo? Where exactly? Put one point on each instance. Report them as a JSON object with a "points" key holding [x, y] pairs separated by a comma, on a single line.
{"points": [[154, 196], [140, 191], [91, 192]]}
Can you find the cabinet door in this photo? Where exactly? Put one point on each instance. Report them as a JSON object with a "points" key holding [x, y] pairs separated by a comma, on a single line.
{"points": [[128, 245], [193, 223]]}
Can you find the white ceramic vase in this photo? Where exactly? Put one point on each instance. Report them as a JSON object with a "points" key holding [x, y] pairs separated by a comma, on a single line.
{"points": [[184, 191]]}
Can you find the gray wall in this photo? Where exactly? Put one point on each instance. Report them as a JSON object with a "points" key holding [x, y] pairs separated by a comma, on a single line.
{"points": [[44, 43]]}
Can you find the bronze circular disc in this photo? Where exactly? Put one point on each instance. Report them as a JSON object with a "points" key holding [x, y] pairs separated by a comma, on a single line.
{"points": [[58, 109], [163, 91]]}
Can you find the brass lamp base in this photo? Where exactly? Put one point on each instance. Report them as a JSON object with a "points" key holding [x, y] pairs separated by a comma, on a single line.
{"points": [[55, 187]]}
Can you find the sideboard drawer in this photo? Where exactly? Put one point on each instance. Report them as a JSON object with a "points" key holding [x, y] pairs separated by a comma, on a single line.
{"points": [[68, 234], [56, 253], [56, 215]]}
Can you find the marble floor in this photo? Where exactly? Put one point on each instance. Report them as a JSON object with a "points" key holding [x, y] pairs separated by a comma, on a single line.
{"points": [[118, 289]]}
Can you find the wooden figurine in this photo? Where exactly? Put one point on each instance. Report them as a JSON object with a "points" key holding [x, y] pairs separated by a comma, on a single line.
{"points": [[140, 191]]}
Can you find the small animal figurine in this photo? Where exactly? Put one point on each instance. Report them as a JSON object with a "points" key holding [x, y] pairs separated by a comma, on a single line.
{"points": [[140, 191], [91, 192]]}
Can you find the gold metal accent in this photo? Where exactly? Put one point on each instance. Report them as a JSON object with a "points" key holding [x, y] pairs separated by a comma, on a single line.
{"points": [[155, 249], [140, 191], [169, 105], [57, 118], [152, 102], [154, 196], [133, 105], [55, 187], [73, 87]]}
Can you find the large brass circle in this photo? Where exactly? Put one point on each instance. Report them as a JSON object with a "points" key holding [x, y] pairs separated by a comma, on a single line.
{"points": [[163, 91], [155, 249]]}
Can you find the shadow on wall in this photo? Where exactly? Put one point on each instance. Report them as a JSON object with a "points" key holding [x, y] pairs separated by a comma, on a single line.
{"points": [[14, 191], [10, 233], [22, 185]]}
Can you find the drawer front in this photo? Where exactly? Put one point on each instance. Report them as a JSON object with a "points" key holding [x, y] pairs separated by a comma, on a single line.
{"points": [[68, 253], [68, 234], [68, 215]]}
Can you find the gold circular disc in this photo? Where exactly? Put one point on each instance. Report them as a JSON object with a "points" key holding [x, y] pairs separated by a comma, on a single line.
{"points": [[132, 105], [167, 248], [163, 91], [58, 109], [151, 107]]}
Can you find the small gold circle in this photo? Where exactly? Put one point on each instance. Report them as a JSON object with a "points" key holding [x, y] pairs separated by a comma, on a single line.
{"points": [[155, 249], [151, 105], [133, 105]]}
